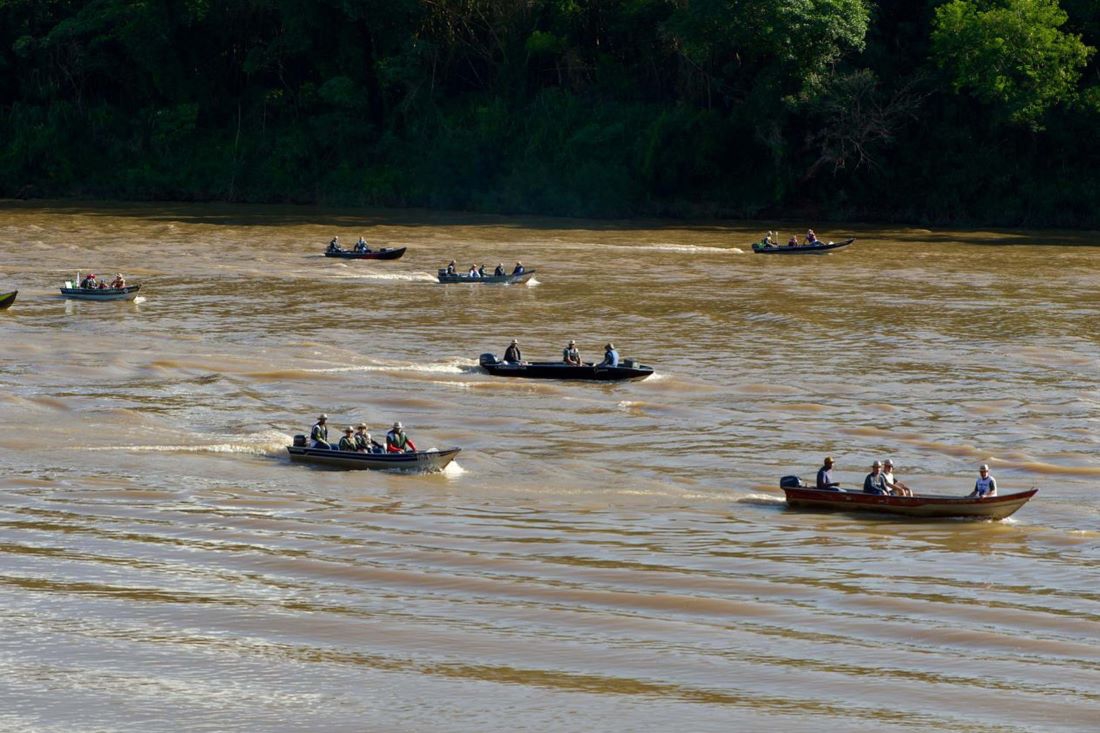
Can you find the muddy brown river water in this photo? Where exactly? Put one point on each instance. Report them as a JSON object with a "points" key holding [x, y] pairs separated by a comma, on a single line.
{"points": [[600, 557]]}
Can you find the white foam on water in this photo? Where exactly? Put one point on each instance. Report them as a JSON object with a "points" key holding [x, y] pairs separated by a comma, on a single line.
{"points": [[761, 499], [392, 277], [533, 282], [453, 470], [455, 366], [139, 299], [258, 444]]}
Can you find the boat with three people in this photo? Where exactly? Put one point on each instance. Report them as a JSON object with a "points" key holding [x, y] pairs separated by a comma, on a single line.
{"points": [[762, 248], [628, 369], [802, 495]]}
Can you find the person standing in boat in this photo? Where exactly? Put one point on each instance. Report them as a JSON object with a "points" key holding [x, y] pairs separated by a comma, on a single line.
{"points": [[512, 354], [986, 485], [895, 487], [319, 433], [825, 475], [499, 272], [397, 441], [518, 269], [610, 356], [364, 443], [348, 441], [874, 483], [570, 355]]}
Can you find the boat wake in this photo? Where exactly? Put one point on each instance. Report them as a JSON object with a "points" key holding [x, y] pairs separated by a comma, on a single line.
{"points": [[761, 500], [453, 366], [533, 282], [416, 277], [265, 443]]}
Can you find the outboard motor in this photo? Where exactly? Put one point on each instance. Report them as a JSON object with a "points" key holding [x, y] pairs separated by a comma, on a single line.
{"points": [[791, 482], [487, 358], [299, 441]]}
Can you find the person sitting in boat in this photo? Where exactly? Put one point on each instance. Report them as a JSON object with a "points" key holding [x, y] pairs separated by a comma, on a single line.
{"points": [[361, 245], [481, 271], [895, 487], [318, 434], [793, 241], [986, 485], [811, 238], [610, 356], [364, 443], [512, 354], [119, 282], [348, 441], [102, 285], [451, 267], [570, 355], [89, 281], [334, 245], [397, 441], [825, 475], [769, 239], [474, 272], [518, 269], [499, 272], [874, 482]]}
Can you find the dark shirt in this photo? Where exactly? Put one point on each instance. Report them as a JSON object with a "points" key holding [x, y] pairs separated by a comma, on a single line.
{"points": [[512, 354], [825, 478], [499, 271], [518, 271], [875, 484]]}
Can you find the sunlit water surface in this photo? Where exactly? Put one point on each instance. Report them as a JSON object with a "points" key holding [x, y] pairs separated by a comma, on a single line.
{"points": [[600, 557]]}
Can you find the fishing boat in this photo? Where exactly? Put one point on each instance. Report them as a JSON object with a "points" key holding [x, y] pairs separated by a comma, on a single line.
{"points": [[454, 277], [804, 496], [422, 461], [7, 299], [627, 369], [127, 293], [801, 249], [386, 253]]}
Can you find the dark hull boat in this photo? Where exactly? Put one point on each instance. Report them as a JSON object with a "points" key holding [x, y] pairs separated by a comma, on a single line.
{"points": [[7, 299], [628, 369], [801, 495], [424, 460], [127, 293], [802, 249], [523, 277], [386, 253]]}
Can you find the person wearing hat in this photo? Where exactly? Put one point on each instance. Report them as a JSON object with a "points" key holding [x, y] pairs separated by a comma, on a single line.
{"points": [[319, 433], [895, 487], [512, 354], [119, 282], [473, 272], [986, 485], [397, 441], [570, 355], [348, 441], [610, 356], [361, 245], [89, 281], [451, 267], [364, 443], [825, 475], [499, 271], [518, 269], [334, 245], [874, 483]]}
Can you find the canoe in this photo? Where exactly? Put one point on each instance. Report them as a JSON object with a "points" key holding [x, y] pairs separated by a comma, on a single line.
{"points": [[7, 299], [802, 249], [127, 293], [506, 279], [424, 460], [803, 496], [386, 253], [628, 369]]}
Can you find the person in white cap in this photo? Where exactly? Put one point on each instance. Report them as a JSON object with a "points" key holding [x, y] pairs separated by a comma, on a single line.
{"points": [[874, 483], [610, 356], [986, 485], [397, 441], [364, 443], [319, 433], [895, 487], [570, 355], [512, 354]]}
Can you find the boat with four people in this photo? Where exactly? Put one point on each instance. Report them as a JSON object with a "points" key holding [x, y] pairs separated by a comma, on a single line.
{"points": [[128, 292], [6, 299], [628, 369], [420, 461], [455, 277], [386, 253], [801, 495], [800, 249]]}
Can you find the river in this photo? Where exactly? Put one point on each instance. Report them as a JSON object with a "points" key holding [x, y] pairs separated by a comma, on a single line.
{"points": [[600, 557]]}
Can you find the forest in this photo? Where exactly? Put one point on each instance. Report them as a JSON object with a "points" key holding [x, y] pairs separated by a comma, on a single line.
{"points": [[965, 112]]}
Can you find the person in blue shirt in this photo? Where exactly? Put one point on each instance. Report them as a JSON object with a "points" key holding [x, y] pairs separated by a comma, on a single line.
{"points": [[610, 356], [519, 269], [825, 475], [361, 245], [875, 482], [986, 485]]}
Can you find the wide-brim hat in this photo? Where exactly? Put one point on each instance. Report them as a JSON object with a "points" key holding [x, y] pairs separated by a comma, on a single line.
{"points": [[361, 426], [322, 417]]}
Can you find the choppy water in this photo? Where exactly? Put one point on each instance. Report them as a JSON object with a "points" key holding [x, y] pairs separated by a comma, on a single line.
{"points": [[600, 557]]}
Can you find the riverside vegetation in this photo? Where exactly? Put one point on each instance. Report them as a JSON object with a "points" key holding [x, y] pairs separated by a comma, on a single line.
{"points": [[967, 111]]}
